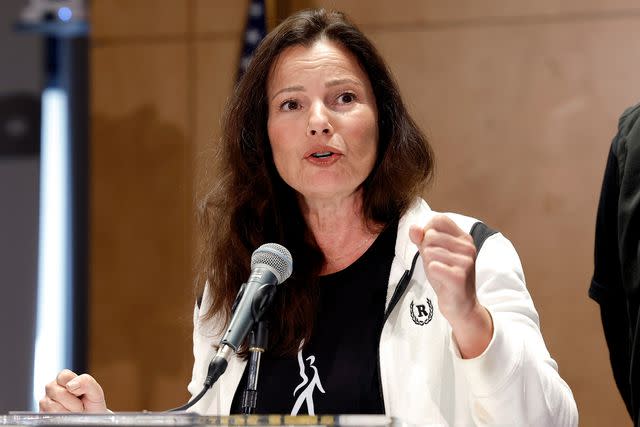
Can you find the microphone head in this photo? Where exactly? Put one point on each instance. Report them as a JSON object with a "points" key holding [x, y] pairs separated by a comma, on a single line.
{"points": [[276, 257]]}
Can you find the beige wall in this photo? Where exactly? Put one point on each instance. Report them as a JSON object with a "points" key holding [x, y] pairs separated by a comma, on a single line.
{"points": [[520, 100], [161, 69]]}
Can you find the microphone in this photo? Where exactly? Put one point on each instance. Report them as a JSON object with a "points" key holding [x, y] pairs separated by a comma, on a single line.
{"points": [[271, 264]]}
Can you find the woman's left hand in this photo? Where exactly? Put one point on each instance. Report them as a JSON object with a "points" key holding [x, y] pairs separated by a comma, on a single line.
{"points": [[449, 257]]}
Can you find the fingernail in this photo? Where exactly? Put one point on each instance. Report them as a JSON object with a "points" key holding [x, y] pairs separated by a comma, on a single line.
{"points": [[73, 384]]}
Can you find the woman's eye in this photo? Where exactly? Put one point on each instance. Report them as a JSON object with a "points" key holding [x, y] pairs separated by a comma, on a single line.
{"points": [[289, 105], [347, 98]]}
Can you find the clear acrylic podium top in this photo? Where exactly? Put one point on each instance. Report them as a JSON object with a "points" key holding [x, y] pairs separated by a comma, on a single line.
{"points": [[191, 419]]}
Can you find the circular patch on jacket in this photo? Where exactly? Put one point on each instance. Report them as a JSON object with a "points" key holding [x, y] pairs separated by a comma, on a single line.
{"points": [[421, 314]]}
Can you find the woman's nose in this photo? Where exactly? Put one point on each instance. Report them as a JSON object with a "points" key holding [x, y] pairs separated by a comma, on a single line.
{"points": [[319, 122]]}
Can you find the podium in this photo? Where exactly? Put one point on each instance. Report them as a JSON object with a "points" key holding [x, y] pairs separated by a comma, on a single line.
{"points": [[191, 419]]}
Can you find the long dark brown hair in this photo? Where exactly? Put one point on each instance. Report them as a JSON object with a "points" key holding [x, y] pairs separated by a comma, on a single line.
{"points": [[250, 204]]}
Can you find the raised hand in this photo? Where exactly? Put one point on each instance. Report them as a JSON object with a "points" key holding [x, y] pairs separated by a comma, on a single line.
{"points": [[449, 258]]}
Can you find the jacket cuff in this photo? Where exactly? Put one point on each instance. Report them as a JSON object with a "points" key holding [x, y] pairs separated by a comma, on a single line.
{"points": [[492, 369]]}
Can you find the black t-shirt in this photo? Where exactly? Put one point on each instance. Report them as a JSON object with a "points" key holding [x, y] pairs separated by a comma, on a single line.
{"points": [[337, 372]]}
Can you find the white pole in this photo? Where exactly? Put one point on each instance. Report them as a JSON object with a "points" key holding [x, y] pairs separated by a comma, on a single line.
{"points": [[52, 352]]}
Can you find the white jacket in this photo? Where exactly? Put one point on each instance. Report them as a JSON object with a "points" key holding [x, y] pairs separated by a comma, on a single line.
{"points": [[515, 382]]}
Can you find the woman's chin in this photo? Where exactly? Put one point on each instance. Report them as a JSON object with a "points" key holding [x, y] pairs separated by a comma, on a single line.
{"points": [[327, 192]]}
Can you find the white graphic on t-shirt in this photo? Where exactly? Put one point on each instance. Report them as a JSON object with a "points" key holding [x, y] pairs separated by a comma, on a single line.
{"points": [[307, 394]]}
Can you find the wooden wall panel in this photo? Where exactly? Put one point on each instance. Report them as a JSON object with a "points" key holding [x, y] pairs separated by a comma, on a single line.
{"points": [[138, 18], [130, 77], [385, 13], [220, 17], [521, 120], [161, 71], [214, 83], [141, 214]]}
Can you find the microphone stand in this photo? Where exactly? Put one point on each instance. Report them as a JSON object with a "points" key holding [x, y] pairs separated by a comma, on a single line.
{"points": [[257, 345]]}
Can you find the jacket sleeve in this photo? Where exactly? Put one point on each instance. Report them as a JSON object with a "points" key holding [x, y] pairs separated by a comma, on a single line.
{"points": [[629, 201], [514, 381], [606, 284], [203, 351], [629, 245], [197, 377]]}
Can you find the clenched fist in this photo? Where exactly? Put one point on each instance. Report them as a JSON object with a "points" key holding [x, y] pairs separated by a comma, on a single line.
{"points": [[70, 392]]}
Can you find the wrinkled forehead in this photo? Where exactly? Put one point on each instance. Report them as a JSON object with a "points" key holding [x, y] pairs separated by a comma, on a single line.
{"points": [[322, 53]]}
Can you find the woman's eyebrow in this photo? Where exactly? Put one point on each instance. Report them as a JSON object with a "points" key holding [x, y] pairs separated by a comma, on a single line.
{"points": [[338, 82], [288, 89]]}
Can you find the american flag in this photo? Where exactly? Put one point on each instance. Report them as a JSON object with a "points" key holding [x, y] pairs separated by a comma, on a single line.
{"points": [[255, 30]]}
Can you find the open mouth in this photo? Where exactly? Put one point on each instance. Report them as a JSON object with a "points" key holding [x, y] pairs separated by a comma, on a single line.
{"points": [[322, 155]]}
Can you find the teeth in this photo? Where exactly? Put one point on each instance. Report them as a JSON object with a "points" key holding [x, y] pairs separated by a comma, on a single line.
{"points": [[322, 155]]}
